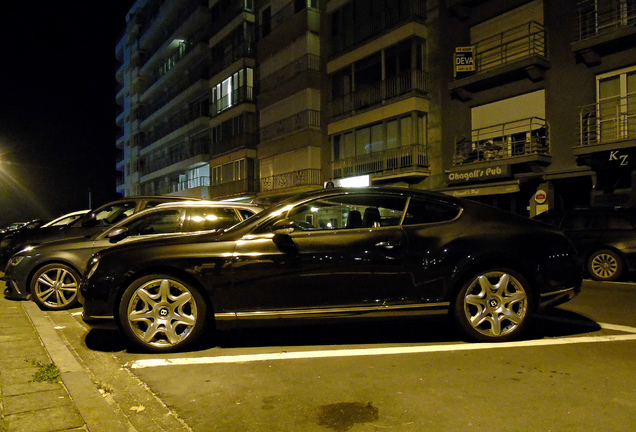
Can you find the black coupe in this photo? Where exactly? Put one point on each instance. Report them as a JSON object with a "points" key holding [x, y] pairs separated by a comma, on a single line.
{"points": [[337, 253]]}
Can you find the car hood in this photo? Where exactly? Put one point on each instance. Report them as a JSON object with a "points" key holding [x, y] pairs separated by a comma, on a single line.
{"points": [[143, 242]]}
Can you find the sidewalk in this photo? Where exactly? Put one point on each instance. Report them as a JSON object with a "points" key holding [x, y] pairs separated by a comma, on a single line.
{"points": [[28, 339]]}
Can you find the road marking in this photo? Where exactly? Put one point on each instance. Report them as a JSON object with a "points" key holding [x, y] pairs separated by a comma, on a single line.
{"points": [[286, 355]]}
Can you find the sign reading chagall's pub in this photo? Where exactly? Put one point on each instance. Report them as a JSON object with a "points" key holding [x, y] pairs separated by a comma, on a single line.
{"points": [[479, 174]]}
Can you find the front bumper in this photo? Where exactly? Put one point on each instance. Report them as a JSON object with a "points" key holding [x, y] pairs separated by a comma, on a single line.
{"points": [[100, 322], [13, 291]]}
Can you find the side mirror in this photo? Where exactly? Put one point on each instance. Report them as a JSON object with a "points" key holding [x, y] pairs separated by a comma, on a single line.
{"points": [[284, 227], [118, 234]]}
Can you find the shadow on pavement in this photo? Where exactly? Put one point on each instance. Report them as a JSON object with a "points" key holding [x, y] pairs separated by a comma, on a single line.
{"points": [[547, 324]]}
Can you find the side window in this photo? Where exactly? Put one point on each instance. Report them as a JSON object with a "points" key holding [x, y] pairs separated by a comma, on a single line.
{"points": [[245, 214], [115, 213], [349, 212], [161, 222], [422, 211], [211, 218]]}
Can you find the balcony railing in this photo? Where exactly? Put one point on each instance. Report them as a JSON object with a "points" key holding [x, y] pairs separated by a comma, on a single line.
{"points": [[602, 17], [194, 183], [514, 44], [177, 153], [200, 73], [306, 177], [185, 11], [172, 124], [292, 8], [234, 188], [238, 95], [223, 58], [306, 62], [302, 120], [396, 12], [244, 140], [608, 121], [376, 94], [397, 159], [504, 141]]}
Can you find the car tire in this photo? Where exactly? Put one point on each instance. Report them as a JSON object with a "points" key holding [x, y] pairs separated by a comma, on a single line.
{"points": [[55, 287], [605, 265], [161, 313], [494, 306]]}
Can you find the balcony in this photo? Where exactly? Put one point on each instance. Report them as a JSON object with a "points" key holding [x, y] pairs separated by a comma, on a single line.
{"points": [[237, 142], [377, 94], [302, 120], [407, 161], [177, 153], [290, 70], [237, 96], [604, 27], [225, 11], [223, 58], [520, 141], [607, 125], [515, 54], [306, 177], [234, 188], [174, 123], [353, 34]]}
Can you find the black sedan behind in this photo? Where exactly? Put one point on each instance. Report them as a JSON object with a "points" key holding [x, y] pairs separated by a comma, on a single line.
{"points": [[337, 253]]}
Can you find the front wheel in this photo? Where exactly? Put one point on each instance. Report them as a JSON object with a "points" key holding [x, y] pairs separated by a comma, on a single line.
{"points": [[494, 306], [161, 313], [55, 287], [605, 265]]}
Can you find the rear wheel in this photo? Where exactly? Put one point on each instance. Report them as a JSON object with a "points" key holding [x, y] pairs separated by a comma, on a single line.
{"points": [[55, 287], [161, 313], [605, 265], [494, 306]]}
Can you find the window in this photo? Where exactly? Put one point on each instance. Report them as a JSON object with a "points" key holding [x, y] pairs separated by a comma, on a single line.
{"points": [[160, 222], [211, 218], [423, 211], [616, 96], [346, 212], [115, 213]]}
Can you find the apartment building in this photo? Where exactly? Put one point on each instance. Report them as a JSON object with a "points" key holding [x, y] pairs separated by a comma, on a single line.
{"points": [[525, 105]]}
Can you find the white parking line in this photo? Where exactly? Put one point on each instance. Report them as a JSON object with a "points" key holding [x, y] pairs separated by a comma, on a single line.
{"points": [[285, 355]]}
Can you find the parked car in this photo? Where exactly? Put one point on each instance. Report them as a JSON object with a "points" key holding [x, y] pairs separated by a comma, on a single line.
{"points": [[66, 219], [50, 273], [21, 228], [361, 253], [604, 237], [91, 223]]}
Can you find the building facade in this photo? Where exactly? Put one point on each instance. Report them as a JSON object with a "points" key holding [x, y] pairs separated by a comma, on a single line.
{"points": [[525, 105]]}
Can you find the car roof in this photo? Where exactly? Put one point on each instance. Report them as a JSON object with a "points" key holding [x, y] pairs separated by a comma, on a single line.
{"points": [[205, 203]]}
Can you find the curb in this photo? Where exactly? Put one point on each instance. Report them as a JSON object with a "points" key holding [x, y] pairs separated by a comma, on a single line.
{"points": [[93, 408]]}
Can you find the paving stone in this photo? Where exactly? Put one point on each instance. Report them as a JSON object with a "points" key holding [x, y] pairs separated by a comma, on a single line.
{"points": [[46, 420], [26, 388], [36, 401]]}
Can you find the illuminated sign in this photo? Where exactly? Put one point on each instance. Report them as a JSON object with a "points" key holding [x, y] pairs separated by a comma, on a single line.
{"points": [[479, 174]]}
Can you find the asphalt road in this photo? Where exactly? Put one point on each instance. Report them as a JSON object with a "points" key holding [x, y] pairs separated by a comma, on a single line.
{"points": [[574, 371]]}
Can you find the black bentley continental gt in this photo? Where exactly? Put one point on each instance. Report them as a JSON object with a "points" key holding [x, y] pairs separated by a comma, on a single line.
{"points": [[337, 253]]}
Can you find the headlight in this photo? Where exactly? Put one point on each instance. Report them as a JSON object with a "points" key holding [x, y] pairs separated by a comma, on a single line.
{"points": [[15, 260], [92, 266]]}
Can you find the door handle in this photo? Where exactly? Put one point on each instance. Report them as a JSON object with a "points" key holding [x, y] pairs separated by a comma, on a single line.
{"points": [[391, 244]]}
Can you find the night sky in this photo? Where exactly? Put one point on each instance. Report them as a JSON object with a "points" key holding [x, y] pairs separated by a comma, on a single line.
{"points": [[57, 106]]}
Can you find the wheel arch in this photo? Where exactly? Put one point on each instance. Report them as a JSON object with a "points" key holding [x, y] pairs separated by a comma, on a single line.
{"points": [[37, 268], [465, 271], [176, 272]]}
